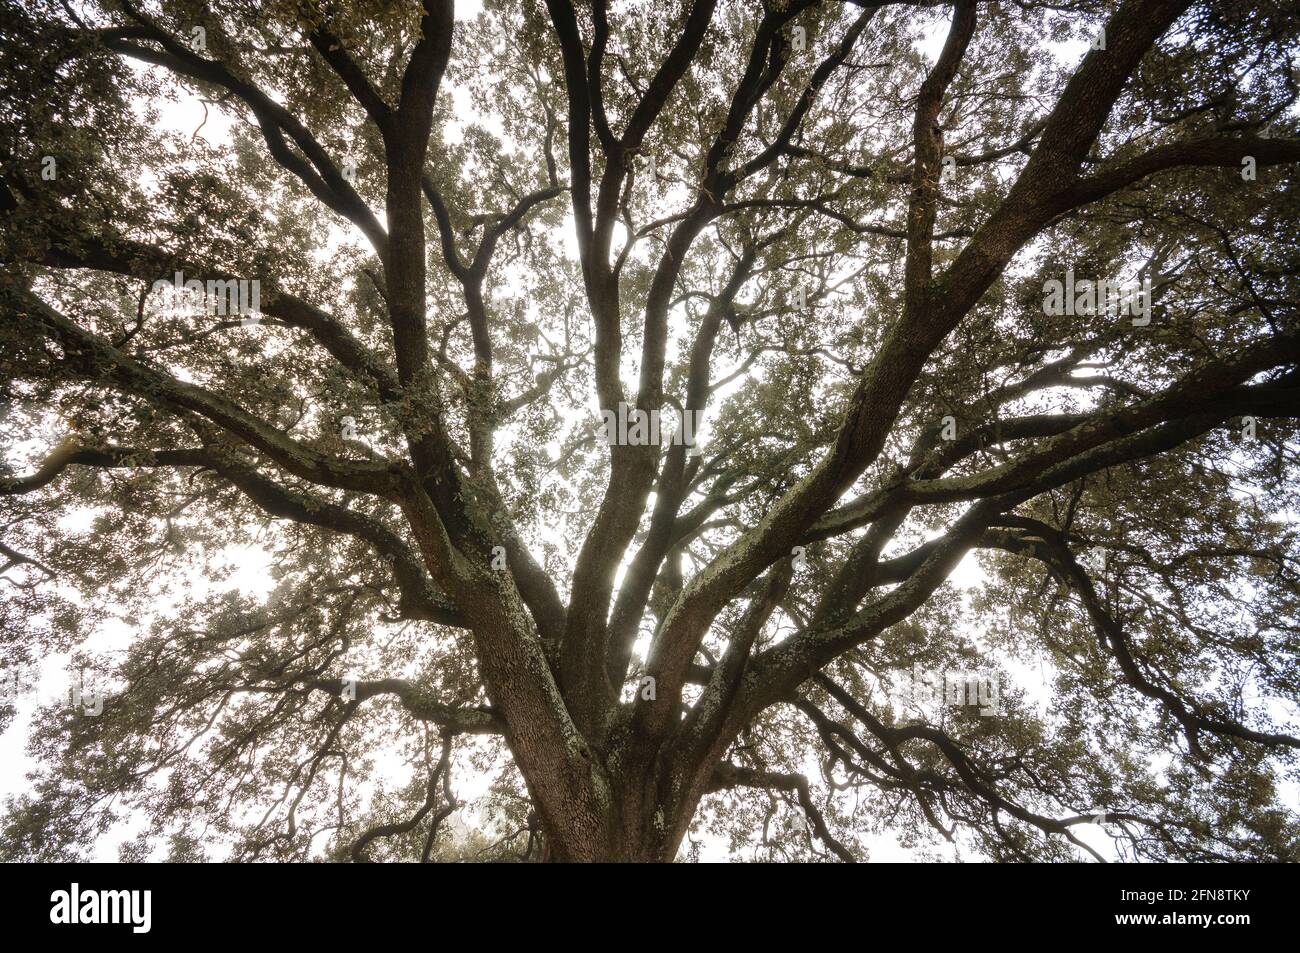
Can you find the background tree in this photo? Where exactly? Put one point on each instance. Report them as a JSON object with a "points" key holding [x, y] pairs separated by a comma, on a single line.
{"points": [[837, 258]]}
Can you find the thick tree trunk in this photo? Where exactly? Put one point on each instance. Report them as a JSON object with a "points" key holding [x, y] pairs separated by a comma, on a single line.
{"points": [[650, 810]]}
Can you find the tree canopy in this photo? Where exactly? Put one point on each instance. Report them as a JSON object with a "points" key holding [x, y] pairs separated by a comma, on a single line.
{"points": [[984, 315]]}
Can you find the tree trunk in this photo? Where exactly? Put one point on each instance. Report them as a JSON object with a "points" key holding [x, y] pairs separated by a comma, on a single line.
{"points": [[649, 811]]}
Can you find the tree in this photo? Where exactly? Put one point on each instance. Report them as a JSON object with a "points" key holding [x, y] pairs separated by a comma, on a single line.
{"points": [[1007, 280]]}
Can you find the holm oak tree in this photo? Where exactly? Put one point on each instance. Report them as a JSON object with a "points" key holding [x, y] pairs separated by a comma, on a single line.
{"points": [[623, 399]]}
